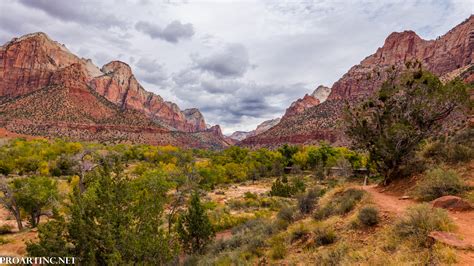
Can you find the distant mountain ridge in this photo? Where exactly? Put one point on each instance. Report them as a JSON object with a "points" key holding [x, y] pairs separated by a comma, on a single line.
{"points": [[449, 55], [262, 127], [47, 90]]}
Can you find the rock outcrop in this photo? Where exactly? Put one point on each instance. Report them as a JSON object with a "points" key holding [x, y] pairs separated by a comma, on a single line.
{"points": [[452, 203], [450, 239], [28, 63], [450, 53], [321, 93], [301, 105], [195, 118]]}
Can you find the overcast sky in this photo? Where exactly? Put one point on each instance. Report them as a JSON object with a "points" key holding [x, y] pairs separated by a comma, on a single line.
{"points": [[239, 62]]}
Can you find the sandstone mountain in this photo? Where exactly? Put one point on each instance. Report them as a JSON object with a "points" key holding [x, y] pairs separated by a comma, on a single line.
{"points": [[449, 55], [119, 85], [46, 90], [264, 126], [321, 93]]}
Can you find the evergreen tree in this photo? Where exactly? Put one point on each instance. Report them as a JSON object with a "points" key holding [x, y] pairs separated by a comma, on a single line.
{"points": [[194, 228], [408, 109]]}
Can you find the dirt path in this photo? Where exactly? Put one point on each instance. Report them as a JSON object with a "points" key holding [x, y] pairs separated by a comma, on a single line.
{"points": [[464, 220]]}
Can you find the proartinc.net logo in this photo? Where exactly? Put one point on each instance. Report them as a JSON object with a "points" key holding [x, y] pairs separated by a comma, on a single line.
{"points": [[37, 260]]}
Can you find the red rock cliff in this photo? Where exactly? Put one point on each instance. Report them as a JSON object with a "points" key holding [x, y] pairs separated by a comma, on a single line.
{"points": [[27, 63], [119, 85]]}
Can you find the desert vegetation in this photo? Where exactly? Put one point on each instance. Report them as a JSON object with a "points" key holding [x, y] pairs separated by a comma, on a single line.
{"points": [[141, 204]]}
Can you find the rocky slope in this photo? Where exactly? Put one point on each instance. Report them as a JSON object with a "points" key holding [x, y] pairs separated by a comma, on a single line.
{"points": [[450, 53], [46, 90]]}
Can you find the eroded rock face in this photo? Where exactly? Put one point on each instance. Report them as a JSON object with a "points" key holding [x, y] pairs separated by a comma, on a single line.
{"points": [[266, 125], [321, 93], [300, 105], [241, 135], [119, 85], [195, 118], [27, 64]]}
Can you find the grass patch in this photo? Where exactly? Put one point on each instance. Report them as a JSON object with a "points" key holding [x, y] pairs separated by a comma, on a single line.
{"points": [[6, 229], [437, 183], [324, 235], [420, 220], [368, 216], [340, 203]]}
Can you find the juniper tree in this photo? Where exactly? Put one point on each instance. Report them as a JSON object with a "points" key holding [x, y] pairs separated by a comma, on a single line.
{"points": [[409, 108], [194, 228]]}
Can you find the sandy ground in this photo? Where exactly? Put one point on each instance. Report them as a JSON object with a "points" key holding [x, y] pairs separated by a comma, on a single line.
{"points": [[238, 191], [463, 220]]}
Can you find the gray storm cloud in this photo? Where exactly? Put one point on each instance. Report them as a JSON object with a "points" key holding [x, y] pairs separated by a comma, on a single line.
{"points": [[232, 61], [173, 32]]}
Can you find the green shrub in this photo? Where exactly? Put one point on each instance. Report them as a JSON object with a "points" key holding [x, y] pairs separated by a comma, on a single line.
{"points": [[286, 214], [458, 149], [437, 183], [282, 188], [278, 250], [250, 195], [306, 202], [299, 232], [340, 203], [3, 241], [420, 220], [6, 229], [368, 216], [332, 256], [324, 235]]}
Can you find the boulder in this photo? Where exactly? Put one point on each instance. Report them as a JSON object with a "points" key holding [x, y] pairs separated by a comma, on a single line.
{"points": [[450, 239], [452, 203]]}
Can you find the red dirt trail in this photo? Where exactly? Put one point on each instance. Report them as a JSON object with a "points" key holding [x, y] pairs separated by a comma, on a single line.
{"points": [[464, 220]]}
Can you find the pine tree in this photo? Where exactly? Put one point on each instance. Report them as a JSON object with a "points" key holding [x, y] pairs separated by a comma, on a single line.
{"points": [[194, 228]]}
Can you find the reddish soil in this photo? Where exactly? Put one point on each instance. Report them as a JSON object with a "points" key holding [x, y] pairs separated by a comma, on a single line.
{"points": [[463, 220], [4, 133]]}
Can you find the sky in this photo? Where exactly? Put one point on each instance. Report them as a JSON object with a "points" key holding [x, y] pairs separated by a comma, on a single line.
{"points": [[240, 62]]}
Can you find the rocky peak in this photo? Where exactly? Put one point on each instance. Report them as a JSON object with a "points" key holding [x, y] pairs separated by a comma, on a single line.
{"points": [[266, 125], [321, 93], [38, 54], [216, 131], [119, 85], [300, 105], [241, 135], [452, 51], [262, 127], [118, 69], [194, 117]]}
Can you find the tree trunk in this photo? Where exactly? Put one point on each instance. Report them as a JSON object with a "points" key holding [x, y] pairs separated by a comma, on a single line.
{"points": [[33, 220], [18, 220]]}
